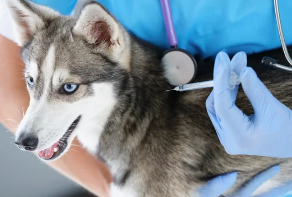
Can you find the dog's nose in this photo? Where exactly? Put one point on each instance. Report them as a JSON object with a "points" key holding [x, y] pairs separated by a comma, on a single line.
{"points": [[28, 143]]}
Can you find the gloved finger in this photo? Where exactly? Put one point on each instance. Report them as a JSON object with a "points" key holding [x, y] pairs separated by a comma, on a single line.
{"points": [[224, 138], [227, 112], [218, 185], [257, 181], [221, 88], [279, 191], [257, 93], [210, 103], [222, 70], [239, 62], [212, 114]]}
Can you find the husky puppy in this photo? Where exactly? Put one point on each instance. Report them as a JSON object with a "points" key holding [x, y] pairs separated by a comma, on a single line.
{"points": [[88, 77]]}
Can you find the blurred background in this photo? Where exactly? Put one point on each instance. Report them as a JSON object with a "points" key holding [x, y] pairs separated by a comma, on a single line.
{"points": [[24, 175]]}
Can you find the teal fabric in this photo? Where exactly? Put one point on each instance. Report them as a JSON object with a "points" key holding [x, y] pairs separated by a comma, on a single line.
{"points": [[65, 7], [206, 27], [203, 27]]}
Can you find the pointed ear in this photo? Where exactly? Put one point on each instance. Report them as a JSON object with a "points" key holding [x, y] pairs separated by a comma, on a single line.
{"points": [[100, 28], [28, 18]]}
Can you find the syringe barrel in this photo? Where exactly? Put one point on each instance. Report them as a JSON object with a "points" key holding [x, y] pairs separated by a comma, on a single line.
{"points": [[196, 86]]}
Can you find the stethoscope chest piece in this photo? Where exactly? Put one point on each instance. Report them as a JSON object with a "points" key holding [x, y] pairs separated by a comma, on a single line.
{"points": [[179, 66]]}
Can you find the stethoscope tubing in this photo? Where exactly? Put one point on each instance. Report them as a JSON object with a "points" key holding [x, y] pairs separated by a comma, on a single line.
{"points": [[281, 35], [269, 62], [171, 35]]}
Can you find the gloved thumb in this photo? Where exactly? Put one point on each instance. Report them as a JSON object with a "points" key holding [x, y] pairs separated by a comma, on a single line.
{"points": [[218, 185], [257, 93]]}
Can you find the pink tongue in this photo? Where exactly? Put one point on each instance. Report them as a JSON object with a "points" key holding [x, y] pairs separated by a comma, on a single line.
{"points": [[49, 152]]}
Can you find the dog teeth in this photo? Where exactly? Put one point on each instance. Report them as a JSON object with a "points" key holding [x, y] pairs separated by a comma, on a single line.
{"points": [[56, 149]]}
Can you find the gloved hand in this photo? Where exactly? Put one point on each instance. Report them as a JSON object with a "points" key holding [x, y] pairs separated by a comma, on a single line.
{"points": [[220, 184], [268, 132]]}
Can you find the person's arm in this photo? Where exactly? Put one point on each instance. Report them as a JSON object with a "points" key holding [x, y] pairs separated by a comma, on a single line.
{"points": [[79, 166]]}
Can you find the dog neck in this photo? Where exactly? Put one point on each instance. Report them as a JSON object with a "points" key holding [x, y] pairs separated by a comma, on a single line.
{"points": [[143, 98]]}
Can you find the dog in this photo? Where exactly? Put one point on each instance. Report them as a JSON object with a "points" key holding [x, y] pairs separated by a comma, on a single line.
{"points": [[89, 78]]}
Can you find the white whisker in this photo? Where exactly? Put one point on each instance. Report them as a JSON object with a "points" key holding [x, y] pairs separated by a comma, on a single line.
{"points": [[18, 111], [73, 149], [22, 112], [67, 155], [76, 145], [12, 120]]}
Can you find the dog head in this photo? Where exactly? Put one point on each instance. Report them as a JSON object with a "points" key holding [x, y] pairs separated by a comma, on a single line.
{"points": [[73, 70]]}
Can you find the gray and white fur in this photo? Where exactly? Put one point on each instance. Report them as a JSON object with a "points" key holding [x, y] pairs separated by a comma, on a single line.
{"points": [[155, 143]]}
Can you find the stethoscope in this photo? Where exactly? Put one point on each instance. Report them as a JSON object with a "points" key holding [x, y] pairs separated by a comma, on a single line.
{"points": [[272, 63], [181, 67]]}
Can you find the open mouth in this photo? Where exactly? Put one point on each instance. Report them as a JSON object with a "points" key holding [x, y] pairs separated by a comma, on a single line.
{"points": [[58, 148]]}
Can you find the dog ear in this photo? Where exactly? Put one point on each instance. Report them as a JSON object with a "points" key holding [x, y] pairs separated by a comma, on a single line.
{"points": [[100, 28], [28, 18]]}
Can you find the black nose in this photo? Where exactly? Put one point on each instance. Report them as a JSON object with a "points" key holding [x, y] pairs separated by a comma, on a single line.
{"points": [[28, 143]]}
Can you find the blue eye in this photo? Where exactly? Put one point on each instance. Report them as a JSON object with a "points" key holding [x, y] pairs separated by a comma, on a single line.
{"points": [[29, 81], [69, 88]]}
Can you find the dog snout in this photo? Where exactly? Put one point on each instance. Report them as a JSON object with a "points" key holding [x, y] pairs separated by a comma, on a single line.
{"points": [[28, 143]]}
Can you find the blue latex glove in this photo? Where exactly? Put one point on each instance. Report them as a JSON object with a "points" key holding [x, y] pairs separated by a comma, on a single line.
{"points": [[268, 132], [220, 184], [65, 7]]}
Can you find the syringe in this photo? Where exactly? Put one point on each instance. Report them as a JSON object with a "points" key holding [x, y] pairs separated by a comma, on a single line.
{"points": [[234, 80], [194, 86]]}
